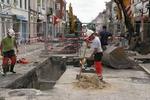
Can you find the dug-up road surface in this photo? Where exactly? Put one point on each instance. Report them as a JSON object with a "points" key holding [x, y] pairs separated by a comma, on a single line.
{"points": [[125, 84]]}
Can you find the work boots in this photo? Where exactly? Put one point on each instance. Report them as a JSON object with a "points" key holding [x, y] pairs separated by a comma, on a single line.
{"points": [[5, 69], [12, 68]]}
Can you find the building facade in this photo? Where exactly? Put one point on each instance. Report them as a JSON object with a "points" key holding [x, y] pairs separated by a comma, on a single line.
{"points": [[14, 14], [141, 15], [6, 17], [61, 17], [33, 17], [19, 11]]}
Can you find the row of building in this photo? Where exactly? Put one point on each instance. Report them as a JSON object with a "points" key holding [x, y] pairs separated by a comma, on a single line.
{"points": [[113, 17], [32, 19]]}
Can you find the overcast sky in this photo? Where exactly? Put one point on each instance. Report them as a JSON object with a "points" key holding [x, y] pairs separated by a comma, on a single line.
{"points": [[87, 10]]}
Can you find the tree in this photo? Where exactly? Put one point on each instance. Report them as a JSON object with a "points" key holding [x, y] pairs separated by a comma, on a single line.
{"points": [[71, 19], [122, 5]]}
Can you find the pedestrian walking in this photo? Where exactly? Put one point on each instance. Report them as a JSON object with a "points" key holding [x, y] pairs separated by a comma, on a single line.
{"points": [[8, 45], [104, 35], [97, 53]]}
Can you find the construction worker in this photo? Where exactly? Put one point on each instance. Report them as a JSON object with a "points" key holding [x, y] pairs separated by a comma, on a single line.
{"points": [[97, 53], [104, 35], [8, 52]]}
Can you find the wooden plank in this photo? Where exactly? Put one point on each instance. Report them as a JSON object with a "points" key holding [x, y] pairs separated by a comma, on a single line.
{"points": [[145, 69]]}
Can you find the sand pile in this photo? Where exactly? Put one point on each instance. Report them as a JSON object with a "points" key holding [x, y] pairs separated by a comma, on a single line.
{"points": [[91, 82]]}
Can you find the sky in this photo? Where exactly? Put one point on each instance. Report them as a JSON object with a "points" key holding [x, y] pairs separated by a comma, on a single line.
{"points": [[87, 10]]}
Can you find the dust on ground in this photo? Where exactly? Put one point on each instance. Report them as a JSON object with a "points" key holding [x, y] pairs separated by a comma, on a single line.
{"points": [[91, 82]]}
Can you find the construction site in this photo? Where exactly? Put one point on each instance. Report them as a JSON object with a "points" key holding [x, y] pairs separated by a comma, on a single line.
{"points": [[53, 57], [51, 71]]}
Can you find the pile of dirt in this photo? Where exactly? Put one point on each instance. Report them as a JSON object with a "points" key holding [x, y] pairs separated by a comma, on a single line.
{"points": [[91, 82]]}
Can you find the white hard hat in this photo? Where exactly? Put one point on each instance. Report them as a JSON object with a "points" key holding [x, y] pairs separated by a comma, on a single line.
{"points": [[11, 32], [89, 32]]}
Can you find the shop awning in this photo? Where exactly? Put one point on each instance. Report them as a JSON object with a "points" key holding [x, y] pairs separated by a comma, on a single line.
{"points": [[5, 15], [20, 17]]}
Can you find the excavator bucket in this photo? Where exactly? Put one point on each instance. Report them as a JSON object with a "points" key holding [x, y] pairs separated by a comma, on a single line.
{"points": [[116, 57]]}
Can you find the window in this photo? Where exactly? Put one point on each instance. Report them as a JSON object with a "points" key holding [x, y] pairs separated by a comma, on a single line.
{"points": [[15, 2], [8, 1], [25, 2], [38, 2], [20, 3], [43, 4], [58, 6], [2, 1]]}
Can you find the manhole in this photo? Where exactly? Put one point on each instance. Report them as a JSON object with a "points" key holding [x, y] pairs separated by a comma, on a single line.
{"points": [[23, 92]]}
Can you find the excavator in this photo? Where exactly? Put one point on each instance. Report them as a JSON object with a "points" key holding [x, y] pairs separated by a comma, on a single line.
{"points": [[115, 56]]}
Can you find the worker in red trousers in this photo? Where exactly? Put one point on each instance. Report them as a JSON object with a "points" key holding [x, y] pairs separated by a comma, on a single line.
{"points": [[97, 53], [8, 52]]}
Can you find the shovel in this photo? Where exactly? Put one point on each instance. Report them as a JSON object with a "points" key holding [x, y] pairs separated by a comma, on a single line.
{"points": [[82, 62]]}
